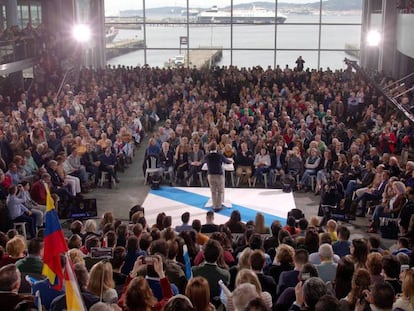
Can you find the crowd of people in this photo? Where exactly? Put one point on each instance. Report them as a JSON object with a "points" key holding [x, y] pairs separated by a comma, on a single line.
{"points": [[307, 129], [232, 266]]}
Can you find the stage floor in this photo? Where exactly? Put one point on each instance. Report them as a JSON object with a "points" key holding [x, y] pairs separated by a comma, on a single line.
{"points": [[174, 201]]}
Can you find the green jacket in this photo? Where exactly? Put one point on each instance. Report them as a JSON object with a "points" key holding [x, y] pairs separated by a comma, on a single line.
{"points": [[30, 264]]}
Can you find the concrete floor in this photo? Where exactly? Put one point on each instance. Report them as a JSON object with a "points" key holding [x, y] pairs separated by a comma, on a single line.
{"points": [[131, 190]]}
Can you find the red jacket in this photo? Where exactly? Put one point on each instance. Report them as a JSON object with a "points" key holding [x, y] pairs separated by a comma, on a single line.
{"points": [[38, 192]]}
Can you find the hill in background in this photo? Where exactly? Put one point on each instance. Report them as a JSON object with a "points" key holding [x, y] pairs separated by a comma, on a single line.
{"points": [[329, 5]]}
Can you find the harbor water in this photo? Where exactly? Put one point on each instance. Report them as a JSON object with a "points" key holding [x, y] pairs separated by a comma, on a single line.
{"points": [[288, 37]]}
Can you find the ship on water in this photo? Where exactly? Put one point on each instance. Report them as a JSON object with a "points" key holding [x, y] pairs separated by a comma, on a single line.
{"points": [[110, 34], [254, 15]]}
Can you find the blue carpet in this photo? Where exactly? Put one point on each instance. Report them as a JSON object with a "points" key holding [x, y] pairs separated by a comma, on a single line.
{"points": [[200, 201]]}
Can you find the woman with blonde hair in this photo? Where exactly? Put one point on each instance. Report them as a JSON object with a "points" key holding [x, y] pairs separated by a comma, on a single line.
{"points": [[198, 291], [390, 208], [259, 224], [243, 263], [406, 300], [76, 256], [15, 249], [283, 261], [250, 277], [101, 282]]}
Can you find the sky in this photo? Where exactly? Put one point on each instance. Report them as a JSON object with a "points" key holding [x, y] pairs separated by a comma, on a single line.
{"points": [[114, 6]]}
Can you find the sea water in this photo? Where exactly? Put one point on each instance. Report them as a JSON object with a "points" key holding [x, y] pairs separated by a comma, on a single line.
{"points": [[290, 41]]}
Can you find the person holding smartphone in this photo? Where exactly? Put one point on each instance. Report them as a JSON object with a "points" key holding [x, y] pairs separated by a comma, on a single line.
{"points": [[137, 292]]}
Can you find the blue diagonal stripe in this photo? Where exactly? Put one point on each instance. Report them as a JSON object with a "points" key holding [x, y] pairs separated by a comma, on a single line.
{"points": [[199, 201]]}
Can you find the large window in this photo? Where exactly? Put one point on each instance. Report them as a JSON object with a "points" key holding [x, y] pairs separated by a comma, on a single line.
{"points": [[29, 12], [234, 32]]}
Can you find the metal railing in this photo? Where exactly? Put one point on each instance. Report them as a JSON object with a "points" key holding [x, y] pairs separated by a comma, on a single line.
{"points": [[18, 49], [384, 91]]}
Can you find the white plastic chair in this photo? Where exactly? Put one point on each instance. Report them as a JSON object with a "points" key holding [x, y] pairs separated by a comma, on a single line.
{"points": [[152, 168]]}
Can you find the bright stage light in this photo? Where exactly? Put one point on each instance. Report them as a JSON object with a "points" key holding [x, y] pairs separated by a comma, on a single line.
{"points": [[373, 38], [82, 33]]}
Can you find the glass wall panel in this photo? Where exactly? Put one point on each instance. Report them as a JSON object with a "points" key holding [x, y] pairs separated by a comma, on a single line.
{"points": [[209, 36], [301, 14], [342, 12], [165, 36], [36, 14], [334, 59], [3, 17], [166, 11], [349, 37], [211, 12], [297, 37], [161, 58], [253, 58], [24, 16], [134, 59], [124, 27], [226, 58], [254, 36], [288, 58]]}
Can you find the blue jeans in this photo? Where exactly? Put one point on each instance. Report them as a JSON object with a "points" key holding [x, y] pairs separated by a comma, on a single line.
{"points": [[366, 197], [306, 176], [276, 172], [379, 212], [351, 187], [259, 171]]}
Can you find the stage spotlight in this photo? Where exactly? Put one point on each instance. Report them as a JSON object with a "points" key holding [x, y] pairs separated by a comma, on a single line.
{"points": [[82, 32], [373, 37]]}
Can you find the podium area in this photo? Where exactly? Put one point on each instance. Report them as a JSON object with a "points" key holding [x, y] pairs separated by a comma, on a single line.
{"points": [[273, 203]]}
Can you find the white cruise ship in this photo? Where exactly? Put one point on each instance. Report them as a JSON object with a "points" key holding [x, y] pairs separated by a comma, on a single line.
{"points": [[255, 15]]}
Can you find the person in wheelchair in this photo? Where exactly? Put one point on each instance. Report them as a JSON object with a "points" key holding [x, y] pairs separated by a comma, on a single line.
{"points": [[332, 193]]}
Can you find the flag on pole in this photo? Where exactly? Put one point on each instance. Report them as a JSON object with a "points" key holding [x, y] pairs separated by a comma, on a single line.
{"points": [[54, 244], [74, 300], [188, 271]]}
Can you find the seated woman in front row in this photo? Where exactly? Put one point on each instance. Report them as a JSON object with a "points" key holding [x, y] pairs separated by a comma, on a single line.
{"points": [[311, 165], [261, 164]]}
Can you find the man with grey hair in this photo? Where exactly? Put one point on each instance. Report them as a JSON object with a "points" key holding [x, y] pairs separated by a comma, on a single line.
{"points": [[9, 290], [327, 268], [242, 295], [308, 294]]}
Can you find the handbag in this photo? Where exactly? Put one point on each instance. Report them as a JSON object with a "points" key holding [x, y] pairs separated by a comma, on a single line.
{"points": [[389, 227]]}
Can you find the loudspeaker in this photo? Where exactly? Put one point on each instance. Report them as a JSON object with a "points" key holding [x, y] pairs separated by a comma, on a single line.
{"points": [[80, 209]]}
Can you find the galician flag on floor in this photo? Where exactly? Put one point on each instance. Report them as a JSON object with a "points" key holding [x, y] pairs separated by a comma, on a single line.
{"points": [[55, 244], [74, 300]]}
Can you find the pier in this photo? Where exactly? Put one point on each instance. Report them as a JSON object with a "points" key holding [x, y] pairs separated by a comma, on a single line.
{"points": [[203, 57], [115, 49]]}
